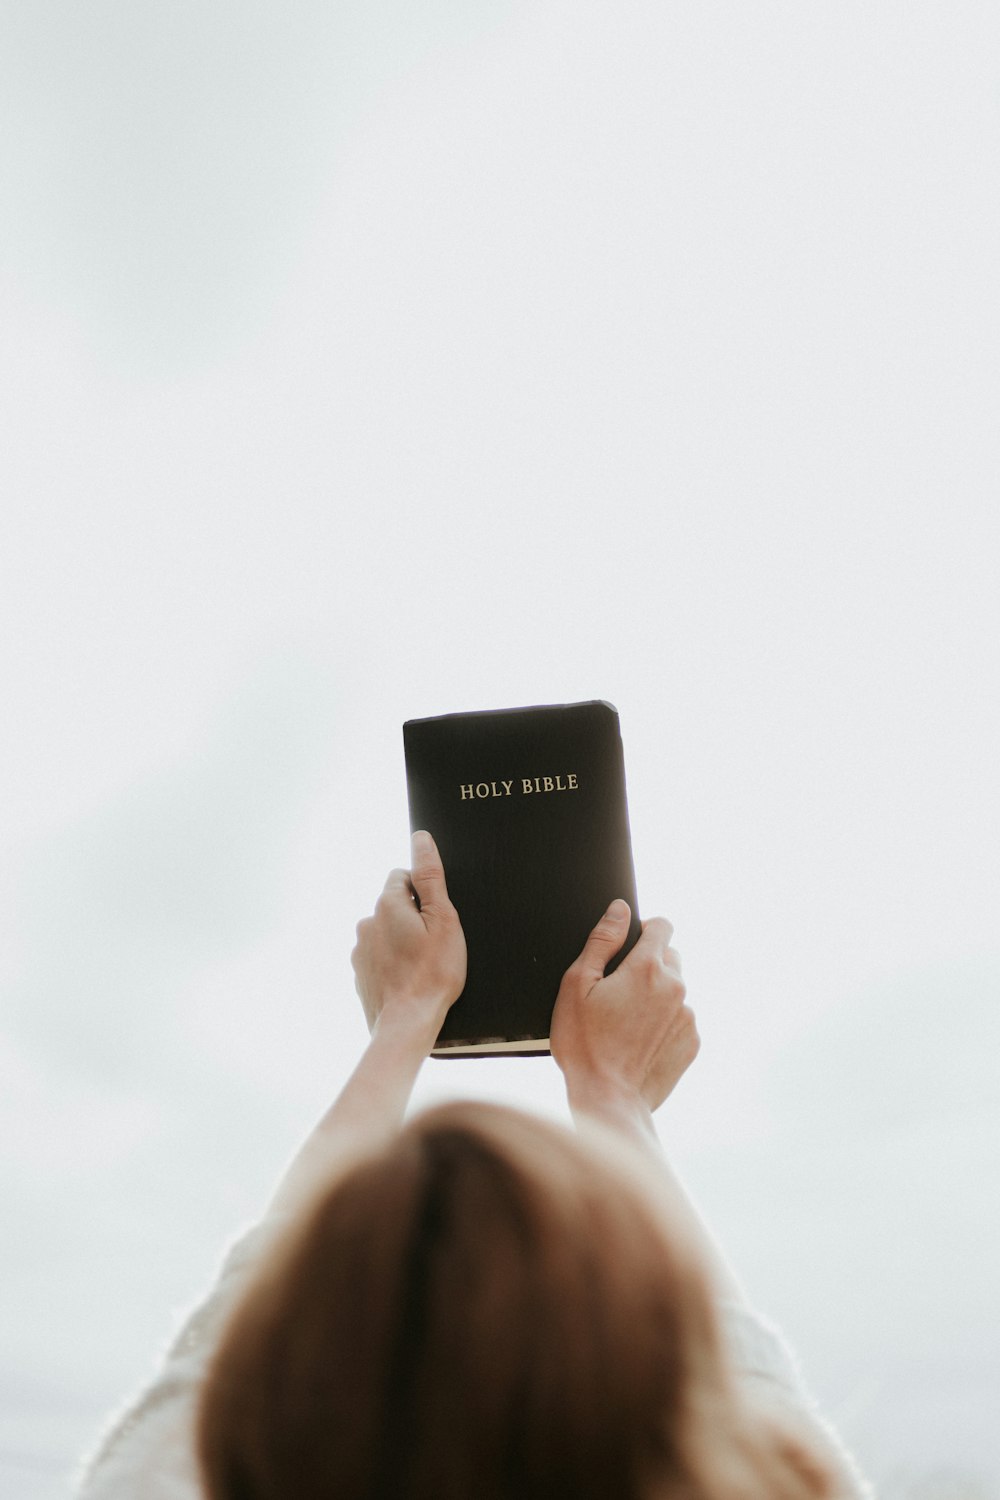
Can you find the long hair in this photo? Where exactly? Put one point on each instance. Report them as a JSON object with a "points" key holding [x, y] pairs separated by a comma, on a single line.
{"points": [[486, 1308]]}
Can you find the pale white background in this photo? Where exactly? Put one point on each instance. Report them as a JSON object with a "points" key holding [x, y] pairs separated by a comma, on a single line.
{"points": [[365, 361]]}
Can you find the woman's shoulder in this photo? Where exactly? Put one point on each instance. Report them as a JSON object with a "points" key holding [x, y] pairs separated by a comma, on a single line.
{"points": [[147, 1449], [771, 1381]]}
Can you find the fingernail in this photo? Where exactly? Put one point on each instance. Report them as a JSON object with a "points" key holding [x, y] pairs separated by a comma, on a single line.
{"points": [[618, 910]]}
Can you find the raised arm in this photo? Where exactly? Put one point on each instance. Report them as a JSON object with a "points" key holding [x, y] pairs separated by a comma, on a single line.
{"points": [[409, 965], [623, 1042]]}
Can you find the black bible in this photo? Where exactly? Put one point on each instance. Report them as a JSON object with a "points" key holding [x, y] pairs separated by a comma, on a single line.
{"points": [[528, 808]]}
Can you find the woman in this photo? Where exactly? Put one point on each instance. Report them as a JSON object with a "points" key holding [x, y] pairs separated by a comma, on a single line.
{"points": [[478, 1303]]}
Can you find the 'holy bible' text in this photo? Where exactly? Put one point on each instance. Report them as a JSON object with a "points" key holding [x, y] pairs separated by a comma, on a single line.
{"points": [[470, 790]]}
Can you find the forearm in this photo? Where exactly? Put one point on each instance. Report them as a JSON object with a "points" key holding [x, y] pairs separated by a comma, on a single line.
{"points": [[368, 1109], [629, 1120]]}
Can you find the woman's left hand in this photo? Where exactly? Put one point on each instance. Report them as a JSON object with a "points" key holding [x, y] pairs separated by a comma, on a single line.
{"points": [[410, 959]]}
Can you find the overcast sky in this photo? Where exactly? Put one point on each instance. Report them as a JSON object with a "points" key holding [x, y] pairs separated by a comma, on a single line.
{"points": [[362, 362]]}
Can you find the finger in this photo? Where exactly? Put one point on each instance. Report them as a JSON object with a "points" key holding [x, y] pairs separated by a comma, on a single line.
{"points": [[659, 928], [427, 874], [397, 885], [654, 947], [605, 939]]}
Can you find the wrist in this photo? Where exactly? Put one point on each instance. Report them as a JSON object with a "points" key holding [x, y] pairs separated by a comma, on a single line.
{"points": [[406, 1028], [610, 1099]]}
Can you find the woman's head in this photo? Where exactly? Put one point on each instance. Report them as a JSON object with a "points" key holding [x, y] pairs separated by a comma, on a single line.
{"points": [[488, 1307]]}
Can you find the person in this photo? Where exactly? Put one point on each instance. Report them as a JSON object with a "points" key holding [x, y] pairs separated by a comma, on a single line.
{"points": [[476, 1302]]}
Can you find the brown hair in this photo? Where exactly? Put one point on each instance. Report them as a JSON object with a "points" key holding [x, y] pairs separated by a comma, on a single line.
{"points": [[487, 1308]]}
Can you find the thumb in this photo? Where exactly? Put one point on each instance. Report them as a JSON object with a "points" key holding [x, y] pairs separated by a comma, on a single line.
{"points": [[427, 872], [606, 938]]}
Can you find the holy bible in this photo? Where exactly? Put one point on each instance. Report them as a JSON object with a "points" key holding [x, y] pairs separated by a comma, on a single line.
{"points": [[528, 808]]}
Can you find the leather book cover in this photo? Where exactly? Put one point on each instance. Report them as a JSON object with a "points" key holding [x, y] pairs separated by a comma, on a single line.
{"points": [[528, 808]]}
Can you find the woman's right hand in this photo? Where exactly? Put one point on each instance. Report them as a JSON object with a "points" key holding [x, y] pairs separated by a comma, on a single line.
{"points": [[629, 1035]]}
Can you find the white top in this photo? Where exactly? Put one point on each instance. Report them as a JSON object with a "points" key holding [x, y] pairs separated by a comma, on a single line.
{"points": [[148, 1452]]}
